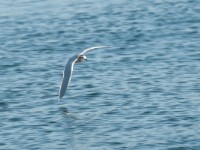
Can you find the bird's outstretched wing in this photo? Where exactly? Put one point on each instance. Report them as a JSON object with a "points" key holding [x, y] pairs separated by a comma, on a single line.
{"points": [[67, 74], [91, 48]]}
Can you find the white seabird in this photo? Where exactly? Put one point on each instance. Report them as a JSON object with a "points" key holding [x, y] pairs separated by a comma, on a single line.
{"points": [[67, 73]]}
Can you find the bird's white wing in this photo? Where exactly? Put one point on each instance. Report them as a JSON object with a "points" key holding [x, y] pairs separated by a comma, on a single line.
{"points": [[67, 74], [91, 48]]}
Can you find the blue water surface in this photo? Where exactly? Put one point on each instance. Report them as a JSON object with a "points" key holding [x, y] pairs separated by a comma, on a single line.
{"points": [[143, 94]]}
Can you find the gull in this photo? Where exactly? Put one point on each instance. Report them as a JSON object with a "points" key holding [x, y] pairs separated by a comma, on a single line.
{"points": [[68, 70]]}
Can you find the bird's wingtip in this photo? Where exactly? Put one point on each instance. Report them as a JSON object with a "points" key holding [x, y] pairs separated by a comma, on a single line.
{"points": [[59, 97]]}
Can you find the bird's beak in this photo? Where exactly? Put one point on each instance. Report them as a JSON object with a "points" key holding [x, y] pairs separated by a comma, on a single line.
{"points": [[85, 58]]}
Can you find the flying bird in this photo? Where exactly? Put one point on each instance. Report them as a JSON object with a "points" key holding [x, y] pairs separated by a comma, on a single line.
{"points": [[68, 70]]}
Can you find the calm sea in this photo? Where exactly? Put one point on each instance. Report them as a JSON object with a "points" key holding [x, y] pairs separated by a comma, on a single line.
{"points": [[143, 94]]}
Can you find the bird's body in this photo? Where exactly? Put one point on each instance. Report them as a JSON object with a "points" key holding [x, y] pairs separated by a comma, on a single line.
{"points": [[67, 73]]}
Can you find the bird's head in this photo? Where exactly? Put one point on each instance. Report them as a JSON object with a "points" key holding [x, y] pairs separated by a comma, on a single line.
{"points": [[81, 58]]}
